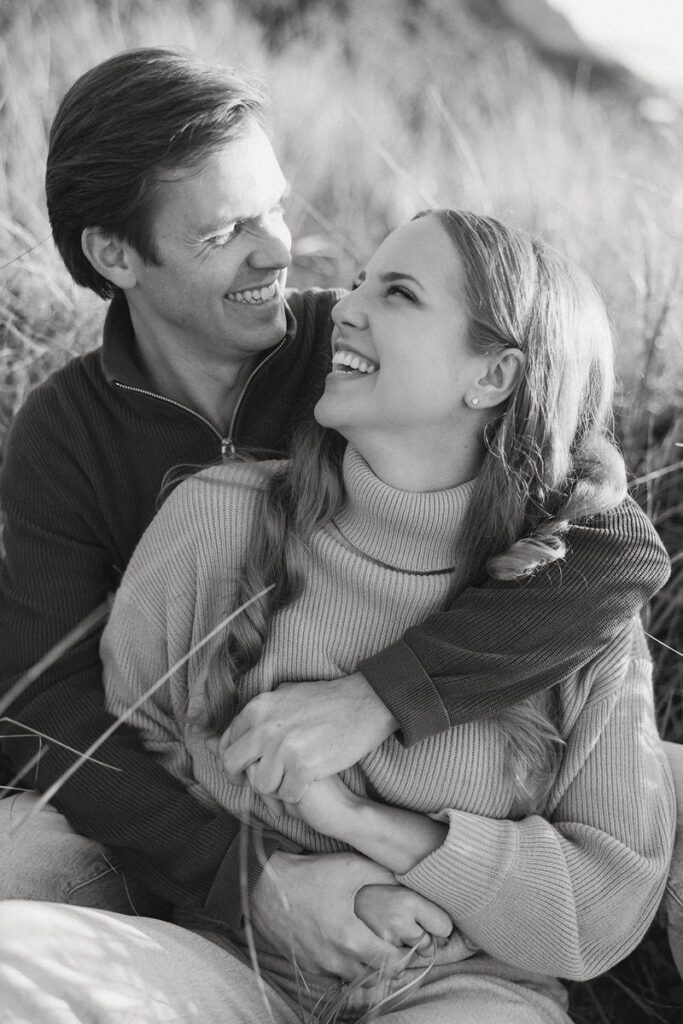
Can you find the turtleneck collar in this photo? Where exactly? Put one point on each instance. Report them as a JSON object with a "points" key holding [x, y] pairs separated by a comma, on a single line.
{"points": [[118, 345], [406, 530]]}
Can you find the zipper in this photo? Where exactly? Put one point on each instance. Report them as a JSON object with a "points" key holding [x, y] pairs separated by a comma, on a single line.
{"points": [[227, 443]]}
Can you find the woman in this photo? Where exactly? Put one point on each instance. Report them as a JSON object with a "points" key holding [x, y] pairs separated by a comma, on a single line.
{"points": [[465, 424]]}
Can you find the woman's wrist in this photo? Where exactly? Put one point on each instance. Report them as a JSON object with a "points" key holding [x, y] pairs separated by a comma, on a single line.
{"points": [[396, 838]]}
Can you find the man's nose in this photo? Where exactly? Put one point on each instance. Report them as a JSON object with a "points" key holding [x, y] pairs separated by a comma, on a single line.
{"points": [[273, 249]]}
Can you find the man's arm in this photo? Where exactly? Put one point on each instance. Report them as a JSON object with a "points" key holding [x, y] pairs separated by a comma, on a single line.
{"points": [[494, 646], [500, 643], [55, 572]]}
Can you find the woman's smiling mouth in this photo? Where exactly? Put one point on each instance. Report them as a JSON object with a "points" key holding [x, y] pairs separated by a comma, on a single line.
{"points": [[345, 362]]}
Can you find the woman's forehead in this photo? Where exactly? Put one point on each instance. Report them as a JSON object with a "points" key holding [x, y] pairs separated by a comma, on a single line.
{"points": [[423, 249]]}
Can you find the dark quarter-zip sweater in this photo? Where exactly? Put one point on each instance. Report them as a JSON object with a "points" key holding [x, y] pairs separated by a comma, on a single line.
{"points": [[86, 459]]}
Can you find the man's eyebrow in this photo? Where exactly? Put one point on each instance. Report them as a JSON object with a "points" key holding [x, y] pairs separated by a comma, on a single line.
{"points": [[221, 226]]}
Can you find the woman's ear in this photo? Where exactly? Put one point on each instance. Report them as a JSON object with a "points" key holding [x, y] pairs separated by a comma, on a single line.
{"points": [[109, 256], [504, 368]]}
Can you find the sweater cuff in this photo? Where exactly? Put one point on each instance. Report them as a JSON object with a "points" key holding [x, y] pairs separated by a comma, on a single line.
{"points": [[224, 903], [466, 872], [399, 680]]}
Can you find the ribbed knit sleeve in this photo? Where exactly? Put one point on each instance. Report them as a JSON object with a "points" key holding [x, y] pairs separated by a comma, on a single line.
{"points": [[180, 583], [573, 893]]}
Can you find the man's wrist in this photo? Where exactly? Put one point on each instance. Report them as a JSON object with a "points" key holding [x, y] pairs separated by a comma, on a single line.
{"points": [[373, 706]]}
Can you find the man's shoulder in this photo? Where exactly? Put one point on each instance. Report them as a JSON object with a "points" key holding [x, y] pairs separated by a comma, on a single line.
{"points": [[312, 309], [66, 388], [53, 407]]}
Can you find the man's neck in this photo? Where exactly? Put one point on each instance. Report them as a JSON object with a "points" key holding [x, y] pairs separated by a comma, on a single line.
{"points": [[214, 396], [211, 390]]}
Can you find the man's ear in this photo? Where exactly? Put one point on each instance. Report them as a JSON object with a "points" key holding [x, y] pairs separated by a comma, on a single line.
{"points": [[109, 256], [504, 369]]}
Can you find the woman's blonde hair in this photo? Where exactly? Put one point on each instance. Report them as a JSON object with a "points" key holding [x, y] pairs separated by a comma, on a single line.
{"points": [[548, 459]]}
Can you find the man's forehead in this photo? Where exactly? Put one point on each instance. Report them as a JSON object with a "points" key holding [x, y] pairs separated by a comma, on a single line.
{"points": [[241, 180]]}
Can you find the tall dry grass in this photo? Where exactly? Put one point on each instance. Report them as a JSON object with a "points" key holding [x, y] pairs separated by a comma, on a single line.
{"points": [[380, 109]]}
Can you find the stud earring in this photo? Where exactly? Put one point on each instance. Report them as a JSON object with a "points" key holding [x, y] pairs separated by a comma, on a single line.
{"points": [[474, 400]]}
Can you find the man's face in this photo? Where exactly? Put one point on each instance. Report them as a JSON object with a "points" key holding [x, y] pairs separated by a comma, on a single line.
{"points": [[224, 249]]}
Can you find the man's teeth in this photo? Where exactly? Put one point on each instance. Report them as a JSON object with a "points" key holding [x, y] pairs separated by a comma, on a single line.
{"points": [[254, 295], [343, 362]]}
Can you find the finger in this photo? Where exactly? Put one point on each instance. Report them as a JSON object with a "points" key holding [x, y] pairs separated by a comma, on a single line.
{"points": [[379, 953], [238, 756], [214, 745], [433, 919], [240, 725], [274, 805], [422, 945], [293, 787], [268, 773]]}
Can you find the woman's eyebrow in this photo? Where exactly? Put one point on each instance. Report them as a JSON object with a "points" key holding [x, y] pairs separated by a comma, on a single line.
{"points": [[395, 275]]}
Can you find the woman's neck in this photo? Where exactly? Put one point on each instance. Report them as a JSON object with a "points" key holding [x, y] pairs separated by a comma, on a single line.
{"points": [[421, 463]]}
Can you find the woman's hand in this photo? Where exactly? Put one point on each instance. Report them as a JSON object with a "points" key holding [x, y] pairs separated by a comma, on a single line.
{"points": [[327, 806], [402, 917]]}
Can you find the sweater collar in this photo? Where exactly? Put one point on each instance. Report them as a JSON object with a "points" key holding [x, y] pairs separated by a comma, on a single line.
{"points": [[119, 360], [406, 530]]}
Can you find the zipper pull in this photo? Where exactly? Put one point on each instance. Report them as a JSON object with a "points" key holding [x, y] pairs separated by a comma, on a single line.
{"points": [[228, 447]]}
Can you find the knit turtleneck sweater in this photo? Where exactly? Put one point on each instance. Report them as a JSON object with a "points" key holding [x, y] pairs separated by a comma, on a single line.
{"points": [[564, 894]]}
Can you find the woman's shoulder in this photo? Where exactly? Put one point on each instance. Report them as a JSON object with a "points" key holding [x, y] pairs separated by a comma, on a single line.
{"points": [[226, 486], [207, 513]]}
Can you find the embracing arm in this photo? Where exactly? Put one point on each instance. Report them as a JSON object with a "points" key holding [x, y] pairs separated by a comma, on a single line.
{"points": [[494, 646], [569, 895], [56, 570], [502, 642]]}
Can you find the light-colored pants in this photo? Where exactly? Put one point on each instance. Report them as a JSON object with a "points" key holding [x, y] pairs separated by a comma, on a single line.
{"points": [[72, 965], [44, 859]]}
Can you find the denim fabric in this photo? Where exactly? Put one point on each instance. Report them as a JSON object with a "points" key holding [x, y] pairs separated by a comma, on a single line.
{"points": [[44, 859], [673, 899]]}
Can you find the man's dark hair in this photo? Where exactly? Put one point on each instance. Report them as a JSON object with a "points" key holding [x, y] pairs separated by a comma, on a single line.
{"points": [[119, 127]]}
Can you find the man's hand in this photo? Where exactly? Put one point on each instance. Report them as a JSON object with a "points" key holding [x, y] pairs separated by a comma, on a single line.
{"points": [[301, 732], [306, 905]]}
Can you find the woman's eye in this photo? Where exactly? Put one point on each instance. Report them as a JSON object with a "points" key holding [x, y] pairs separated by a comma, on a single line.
{"points": [[399, 289], [356, 284]]}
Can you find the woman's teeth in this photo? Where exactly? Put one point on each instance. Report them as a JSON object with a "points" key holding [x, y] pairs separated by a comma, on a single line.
{"points": [[254, 296], [346, 362]]}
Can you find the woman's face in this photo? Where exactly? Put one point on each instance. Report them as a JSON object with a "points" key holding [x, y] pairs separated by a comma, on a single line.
{"points": [[401, 361]]}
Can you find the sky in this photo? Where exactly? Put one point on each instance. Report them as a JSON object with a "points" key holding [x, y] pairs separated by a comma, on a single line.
{"points": [[645, 35]]}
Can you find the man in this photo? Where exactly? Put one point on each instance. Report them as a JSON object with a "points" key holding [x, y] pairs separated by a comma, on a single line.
{"points": [[164, 194]]}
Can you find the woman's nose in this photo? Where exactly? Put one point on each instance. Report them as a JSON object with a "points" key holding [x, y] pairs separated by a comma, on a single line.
{"points": [[349, 311]]}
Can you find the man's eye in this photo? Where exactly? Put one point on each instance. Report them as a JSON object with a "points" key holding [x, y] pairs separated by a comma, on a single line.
{"points": [[356, 284], [218, 240]]}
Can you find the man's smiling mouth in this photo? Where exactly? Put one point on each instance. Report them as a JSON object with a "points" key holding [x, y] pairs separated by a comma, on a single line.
{"points": [[254, 296], [345, 362]]}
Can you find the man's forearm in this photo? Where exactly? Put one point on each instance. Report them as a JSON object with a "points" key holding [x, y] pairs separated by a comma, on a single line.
{"points": [[502, 642]]}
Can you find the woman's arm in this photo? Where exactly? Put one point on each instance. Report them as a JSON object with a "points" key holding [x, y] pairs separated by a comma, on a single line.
{"points": [[573, 893], [391, 836], [570, 894], [494, 646]]}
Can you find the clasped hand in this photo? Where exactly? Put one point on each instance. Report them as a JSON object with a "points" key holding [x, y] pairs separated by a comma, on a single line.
{"points": [[339, 913], [289, 737]]}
